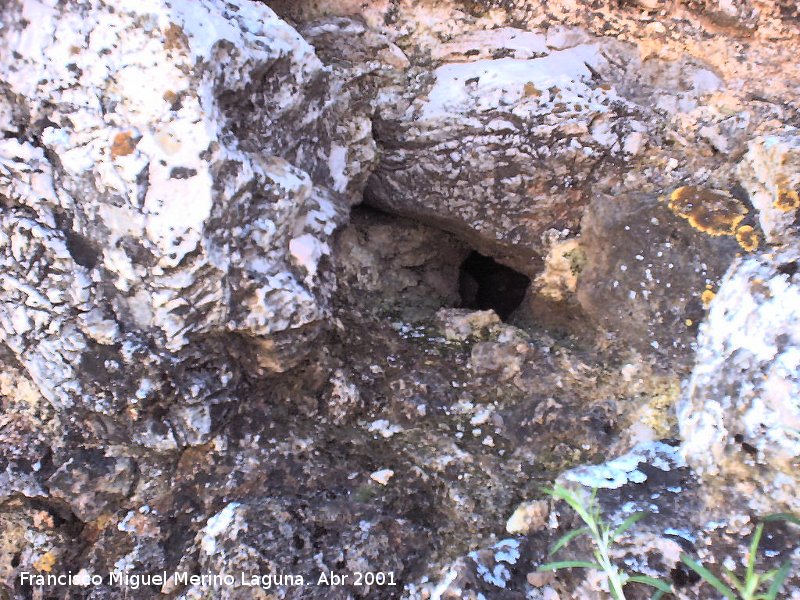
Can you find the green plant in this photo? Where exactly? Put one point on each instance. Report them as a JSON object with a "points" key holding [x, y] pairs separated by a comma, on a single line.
{"points": [[750, 587], [603, 536]]}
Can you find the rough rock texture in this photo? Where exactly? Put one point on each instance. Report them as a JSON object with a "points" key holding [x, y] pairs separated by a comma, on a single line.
{"points": [[399, 264], [501, 149], [648, 268], [157, 235], [771, 173], [212, 359], [512, 117], [741, 417]]}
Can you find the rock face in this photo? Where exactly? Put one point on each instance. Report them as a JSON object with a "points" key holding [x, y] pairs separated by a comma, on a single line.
{"points": [[327, 287], [770, 173], [164, 219], [648, 268], [499, 150], [400, 266], [741, 418]]}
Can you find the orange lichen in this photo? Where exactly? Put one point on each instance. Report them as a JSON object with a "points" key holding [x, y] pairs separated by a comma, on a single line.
{"points": [[45, 562], [786, 200], [707, 296], [747, 238], [715, 212], [123, 145]]}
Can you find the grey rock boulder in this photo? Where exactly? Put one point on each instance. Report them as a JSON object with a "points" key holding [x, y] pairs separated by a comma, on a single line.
{"points": [[740, 420], [164, 221]]}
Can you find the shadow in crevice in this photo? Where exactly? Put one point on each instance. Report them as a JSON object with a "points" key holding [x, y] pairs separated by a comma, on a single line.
{"points": [[486, 284]]}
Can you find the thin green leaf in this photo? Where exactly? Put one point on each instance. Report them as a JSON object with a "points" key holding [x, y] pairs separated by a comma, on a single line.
{"points": [[751, 586], [562, 493], [710, 578], [566, 539], [662, 586], [768, 576], [731, 576], [627, 524], [777, 583], [569, 564], [788, 517], [753, 552]]}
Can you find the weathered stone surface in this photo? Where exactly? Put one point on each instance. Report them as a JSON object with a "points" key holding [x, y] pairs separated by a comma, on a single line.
{"points": [[741, 417], [646, 272], [400, 266], [89, 482], [199, 373], [162, 198], [770, 171], [499, 150], [654, 479]]}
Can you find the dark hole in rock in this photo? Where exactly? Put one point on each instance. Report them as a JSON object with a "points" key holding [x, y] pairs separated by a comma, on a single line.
{"points": [[749, 448], [788, 269], [682, 576], [486, 284], [83, 251]]}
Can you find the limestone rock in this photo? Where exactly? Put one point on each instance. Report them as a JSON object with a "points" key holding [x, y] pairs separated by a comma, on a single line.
{"points": [[528, 517], [740, 418], [402, 266], [462, 324], [200, 373], [159, 197], [770, 171], [90, 482], [499, 150], [646, 272]]}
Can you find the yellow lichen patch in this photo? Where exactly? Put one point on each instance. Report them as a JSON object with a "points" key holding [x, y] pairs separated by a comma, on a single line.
{"points": [[747, 238], [123, 145], [689, 322], [715, 212], [707, 296], [45, 562], [786, 200], [659, 414]]}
